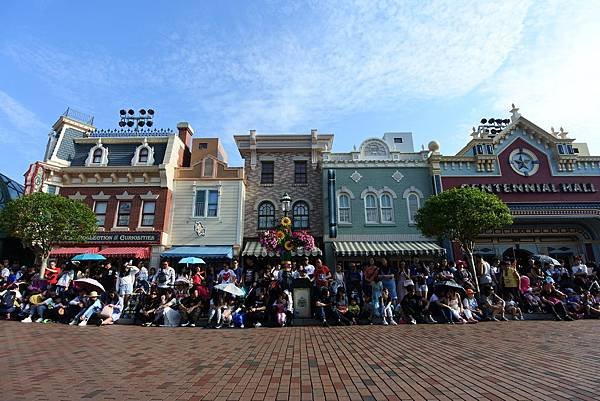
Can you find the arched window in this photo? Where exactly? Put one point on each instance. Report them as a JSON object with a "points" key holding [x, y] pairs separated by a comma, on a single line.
{"points": [[387, 208], [143, 156], [97, 158], [344, 209], [370, 208], [413, 204], [300, 216], [266, 216]]}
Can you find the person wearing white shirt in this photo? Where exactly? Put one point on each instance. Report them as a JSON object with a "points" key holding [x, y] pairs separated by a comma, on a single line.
{"points": [[579, 267], [310, 269], [165, 276]]}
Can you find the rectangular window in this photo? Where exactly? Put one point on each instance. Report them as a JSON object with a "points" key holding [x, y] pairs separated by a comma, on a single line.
{"points": [[267, 172], [123, 214], [575, 150], [207, 203], [148, 210], [561, 149], [490, 149], [570, 149], [479, 149], [300, 172], [100, 211], [51, 189], [203, 145], [344, 209], [397, 140]]}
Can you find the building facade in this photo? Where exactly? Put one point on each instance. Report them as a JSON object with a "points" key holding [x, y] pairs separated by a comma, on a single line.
{"points": [[125, 176], [550, 183], [372, 195], [278, 164], [208, 198]]}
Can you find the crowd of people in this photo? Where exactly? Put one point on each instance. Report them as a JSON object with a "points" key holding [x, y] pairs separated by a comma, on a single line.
{"points": [[374, 292]]}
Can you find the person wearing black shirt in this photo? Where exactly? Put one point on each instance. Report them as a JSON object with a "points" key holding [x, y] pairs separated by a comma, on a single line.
{"points": [[323, 306], [255, 314], [108, 278], [552, 300], [414, 307], [190, 308]]}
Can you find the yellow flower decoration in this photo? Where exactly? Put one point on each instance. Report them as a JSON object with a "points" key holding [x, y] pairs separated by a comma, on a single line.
{"points": [[286, 221], [280, 234], [289, 245]]}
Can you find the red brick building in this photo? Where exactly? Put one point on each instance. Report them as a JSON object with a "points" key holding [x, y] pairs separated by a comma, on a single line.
{"points": [[125, 176]]}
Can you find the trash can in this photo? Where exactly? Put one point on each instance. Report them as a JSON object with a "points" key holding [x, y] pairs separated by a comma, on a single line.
{"points": [[302, 298]]}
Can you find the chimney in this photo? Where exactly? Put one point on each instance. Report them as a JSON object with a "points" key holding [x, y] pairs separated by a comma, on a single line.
{"points": [[185, 134]]}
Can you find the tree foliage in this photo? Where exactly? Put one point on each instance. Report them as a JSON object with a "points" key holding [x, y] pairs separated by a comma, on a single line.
{"points": [[461, 214], [41, 220]]}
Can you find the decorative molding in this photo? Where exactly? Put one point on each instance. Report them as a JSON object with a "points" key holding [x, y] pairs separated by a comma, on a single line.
{"points": [[77, 196], [345, 190], [100, 196], [103, 156], [149, 196], [397, 176], [369, 190], [412, 189], [125, 196], [259, 201], [388, 190], [355, 176]]}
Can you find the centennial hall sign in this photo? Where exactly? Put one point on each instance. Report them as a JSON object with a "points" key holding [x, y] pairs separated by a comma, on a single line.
{"points": [[535, 188]]}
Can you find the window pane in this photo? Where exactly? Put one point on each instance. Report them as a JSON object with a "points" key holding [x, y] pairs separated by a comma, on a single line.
{"points": [[100, 207], [123, 220], [386, 201], [100, 220], [148, 220], [149, 207], [200, 203], [267, 172], [344, 216], [124, 207], [300, 216], [143, 155], [370, 201], [344, 201], [300, 172], [413, 206], [371, 215], [213, 203], [386, 215]]}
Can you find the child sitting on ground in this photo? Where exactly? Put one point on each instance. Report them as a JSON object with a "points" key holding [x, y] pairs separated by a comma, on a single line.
{"points": [[513, 309], [533, 302], [353, 311]]}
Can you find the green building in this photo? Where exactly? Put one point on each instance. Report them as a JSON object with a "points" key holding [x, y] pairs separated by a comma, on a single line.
{"points": [[371, 197]]}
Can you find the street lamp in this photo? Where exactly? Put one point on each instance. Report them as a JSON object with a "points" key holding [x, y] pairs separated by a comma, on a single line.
{"points": [[286, 203]]}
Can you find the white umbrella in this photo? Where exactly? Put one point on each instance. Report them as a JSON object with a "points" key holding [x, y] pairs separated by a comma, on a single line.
{"points": [[87, 283], [231, 288], [546, 259]]}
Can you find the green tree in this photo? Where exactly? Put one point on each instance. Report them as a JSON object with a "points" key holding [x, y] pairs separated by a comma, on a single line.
{"points": [[41, 220], [461, 215]]}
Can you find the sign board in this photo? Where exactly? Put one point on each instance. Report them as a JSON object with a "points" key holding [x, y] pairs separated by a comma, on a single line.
{"points": [[136, 237], [302, 303]]}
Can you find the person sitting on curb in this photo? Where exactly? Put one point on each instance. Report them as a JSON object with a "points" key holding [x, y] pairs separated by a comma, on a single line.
{"points": [[492, 305], [93, 305], [552, 301], [471, 307], [414, 306]]}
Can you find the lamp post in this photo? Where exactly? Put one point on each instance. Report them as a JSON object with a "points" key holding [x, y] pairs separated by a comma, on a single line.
{"points": [[286, 203]]}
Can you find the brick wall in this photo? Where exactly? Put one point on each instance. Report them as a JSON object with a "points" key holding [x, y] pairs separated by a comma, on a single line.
{"points": [[161, 215], [311, 192]]}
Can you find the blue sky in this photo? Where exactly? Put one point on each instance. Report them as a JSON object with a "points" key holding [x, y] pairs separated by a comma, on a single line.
{"points": [[353, 68]]}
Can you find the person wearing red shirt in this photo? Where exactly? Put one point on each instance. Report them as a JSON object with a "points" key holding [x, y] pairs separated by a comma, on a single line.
{"points": [[52, 273], [371, 273], [322, 274]]}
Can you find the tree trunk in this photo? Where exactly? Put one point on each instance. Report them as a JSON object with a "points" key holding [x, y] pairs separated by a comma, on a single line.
{"points": [[469, 248], [43, 261]]}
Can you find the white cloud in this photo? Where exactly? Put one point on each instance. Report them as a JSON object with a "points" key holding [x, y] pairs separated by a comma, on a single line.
{"points": [[553, 77]]}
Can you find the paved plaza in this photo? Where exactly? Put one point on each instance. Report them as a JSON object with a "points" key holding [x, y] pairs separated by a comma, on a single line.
{"points": [[534, 360]]}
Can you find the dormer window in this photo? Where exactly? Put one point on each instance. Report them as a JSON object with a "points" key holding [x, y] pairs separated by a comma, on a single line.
{"points": [[98, 155], [208, 167], [144, 155]]}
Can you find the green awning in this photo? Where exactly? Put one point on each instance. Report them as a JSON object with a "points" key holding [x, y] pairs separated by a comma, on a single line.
{"points": [[383, 248], [254, 248]]}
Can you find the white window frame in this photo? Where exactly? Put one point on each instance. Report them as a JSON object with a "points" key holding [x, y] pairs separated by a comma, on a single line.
{"points": [[105, 212], [349, 209], [116, 225], [103, 157], [135, 160], [205, 213], [374, 195], [411, 220], [391, 207], [141, 219]]}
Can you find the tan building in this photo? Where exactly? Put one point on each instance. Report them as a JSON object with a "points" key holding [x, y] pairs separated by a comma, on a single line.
{"points": [[278, 164], [207, 208]]}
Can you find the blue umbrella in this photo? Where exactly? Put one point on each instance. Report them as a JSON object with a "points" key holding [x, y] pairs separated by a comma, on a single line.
{"points": [[191, 260], [88, 256]]}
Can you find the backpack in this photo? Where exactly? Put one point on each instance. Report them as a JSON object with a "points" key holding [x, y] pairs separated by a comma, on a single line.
{"points": [[8, 299], [161, 277]]}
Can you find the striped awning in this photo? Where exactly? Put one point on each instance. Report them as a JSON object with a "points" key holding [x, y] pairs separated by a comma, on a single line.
{"points": [[382, 248], [126, 252], [254, 248], [73, 251]]}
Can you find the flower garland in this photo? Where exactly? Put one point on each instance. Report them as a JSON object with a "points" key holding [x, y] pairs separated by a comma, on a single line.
{"points": [[284, 241]]}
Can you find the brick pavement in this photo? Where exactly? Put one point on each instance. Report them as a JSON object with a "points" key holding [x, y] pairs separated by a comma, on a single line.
{"points": [[490, 361]]}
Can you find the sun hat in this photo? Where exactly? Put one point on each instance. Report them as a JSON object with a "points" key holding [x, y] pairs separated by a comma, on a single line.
{"points": [[93, 294]]}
